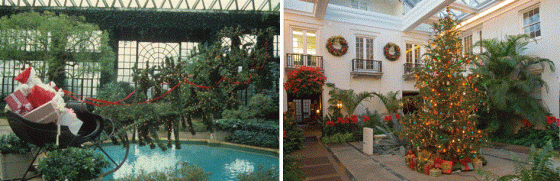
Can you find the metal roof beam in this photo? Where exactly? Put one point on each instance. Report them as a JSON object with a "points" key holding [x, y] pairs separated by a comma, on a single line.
{"points": [[422, 11], [320, 8], [463, 8]]}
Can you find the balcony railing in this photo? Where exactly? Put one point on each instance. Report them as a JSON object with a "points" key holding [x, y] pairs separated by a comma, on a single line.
{"points": [[294, 60], [366, 67], [409, 67], [409, 70]]}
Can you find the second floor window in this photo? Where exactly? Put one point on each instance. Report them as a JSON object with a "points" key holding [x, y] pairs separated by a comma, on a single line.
{"points": [[467, 44], [413, 54], [364, 48], [304, 42], [532, 23]]}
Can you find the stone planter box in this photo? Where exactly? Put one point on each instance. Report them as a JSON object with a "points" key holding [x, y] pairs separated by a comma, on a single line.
{"points": [[13, 166]]}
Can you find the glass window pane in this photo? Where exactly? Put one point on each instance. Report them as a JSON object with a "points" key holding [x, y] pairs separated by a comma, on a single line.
{"points": [[359, 47], [297, 41], [369, 48], [311, 44]]}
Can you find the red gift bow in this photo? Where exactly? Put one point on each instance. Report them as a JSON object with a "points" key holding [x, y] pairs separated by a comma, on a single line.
{"points": [[438, 162], [409, 152]]}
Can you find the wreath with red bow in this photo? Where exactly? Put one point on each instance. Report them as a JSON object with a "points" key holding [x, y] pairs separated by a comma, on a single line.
{"points": [[388, 54], [337, 51]]}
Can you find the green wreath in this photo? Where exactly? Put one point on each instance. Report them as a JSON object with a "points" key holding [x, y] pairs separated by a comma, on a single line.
{"points": [[335, 51], [387, 53]]}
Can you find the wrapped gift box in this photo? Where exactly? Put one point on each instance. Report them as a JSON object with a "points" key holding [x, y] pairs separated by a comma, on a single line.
{"points": [[447, 167], [435, 172], [73, 123], [44, 114], [19, 103], [477, 164]]}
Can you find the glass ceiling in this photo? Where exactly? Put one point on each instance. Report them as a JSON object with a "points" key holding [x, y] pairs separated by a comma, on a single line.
{"points": [[230, 5], [474, 4]]}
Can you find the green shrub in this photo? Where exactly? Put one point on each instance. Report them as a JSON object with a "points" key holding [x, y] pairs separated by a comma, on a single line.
{"points": [[260, 107], [338, 138], [2, 106], [74, 164], [541, 167], [292, 135], [10, 143], [291, 171], [528, 135], [186, 172], [259, 175], [231, 125], [261, 139]]}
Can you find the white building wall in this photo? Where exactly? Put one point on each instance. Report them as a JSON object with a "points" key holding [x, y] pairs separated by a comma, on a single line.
{"points": [[337, 69], [509, 21]]}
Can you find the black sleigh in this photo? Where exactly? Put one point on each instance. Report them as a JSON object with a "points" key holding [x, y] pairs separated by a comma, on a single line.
{"points": [[95, 130]]}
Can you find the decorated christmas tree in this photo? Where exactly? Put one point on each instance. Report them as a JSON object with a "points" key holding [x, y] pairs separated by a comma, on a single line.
{"points": [[444, 128]]}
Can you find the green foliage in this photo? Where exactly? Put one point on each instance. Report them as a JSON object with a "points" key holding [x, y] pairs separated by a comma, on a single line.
{"points": [[292, 135], [510, 79], [270, 127], [338, 138], [74, 164], [528, 135], [391, 102], [251, 132], [2, 106], [540, 167], [259, 175], [11, 144], [185, 172], [255, 138], [56, 41], [213, 84], [260, 107], [350, 100], [291, 171], [374, 119]]}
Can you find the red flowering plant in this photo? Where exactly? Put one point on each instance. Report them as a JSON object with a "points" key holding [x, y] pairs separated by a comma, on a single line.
{"points": [[305, 81], [348, 124]]}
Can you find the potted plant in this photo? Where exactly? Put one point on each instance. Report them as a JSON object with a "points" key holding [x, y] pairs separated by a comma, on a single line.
{"points": [[15, 156], [72, 164]]}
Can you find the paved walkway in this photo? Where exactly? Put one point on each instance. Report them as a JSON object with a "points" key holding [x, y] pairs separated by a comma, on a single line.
{"points": [[318, 163], [392, 167]]}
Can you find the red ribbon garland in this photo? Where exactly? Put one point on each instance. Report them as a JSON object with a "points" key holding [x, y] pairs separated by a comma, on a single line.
{"points": [[109, 103]]}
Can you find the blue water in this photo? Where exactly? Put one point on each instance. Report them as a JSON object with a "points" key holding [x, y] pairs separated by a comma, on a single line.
{"points": [[224, 162]]}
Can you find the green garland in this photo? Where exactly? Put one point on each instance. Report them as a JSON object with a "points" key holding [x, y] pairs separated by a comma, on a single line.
{"points": [[390, 56], [343, 46]]}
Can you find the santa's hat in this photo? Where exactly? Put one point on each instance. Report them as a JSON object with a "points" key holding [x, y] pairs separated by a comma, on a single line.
{"points": [[24, 76]]}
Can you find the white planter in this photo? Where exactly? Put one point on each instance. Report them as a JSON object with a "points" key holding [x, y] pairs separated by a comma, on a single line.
{"points": [[368, 141], [13, 166]]}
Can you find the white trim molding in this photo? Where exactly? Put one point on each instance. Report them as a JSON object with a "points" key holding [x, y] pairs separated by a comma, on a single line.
{"points": [[366, 18]]}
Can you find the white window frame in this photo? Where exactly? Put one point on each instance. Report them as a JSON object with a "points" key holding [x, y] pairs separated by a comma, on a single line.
{"points": [[305, 31], [467, 43], [360, 4], [364, 65], [530, 9], [416, 54]]}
